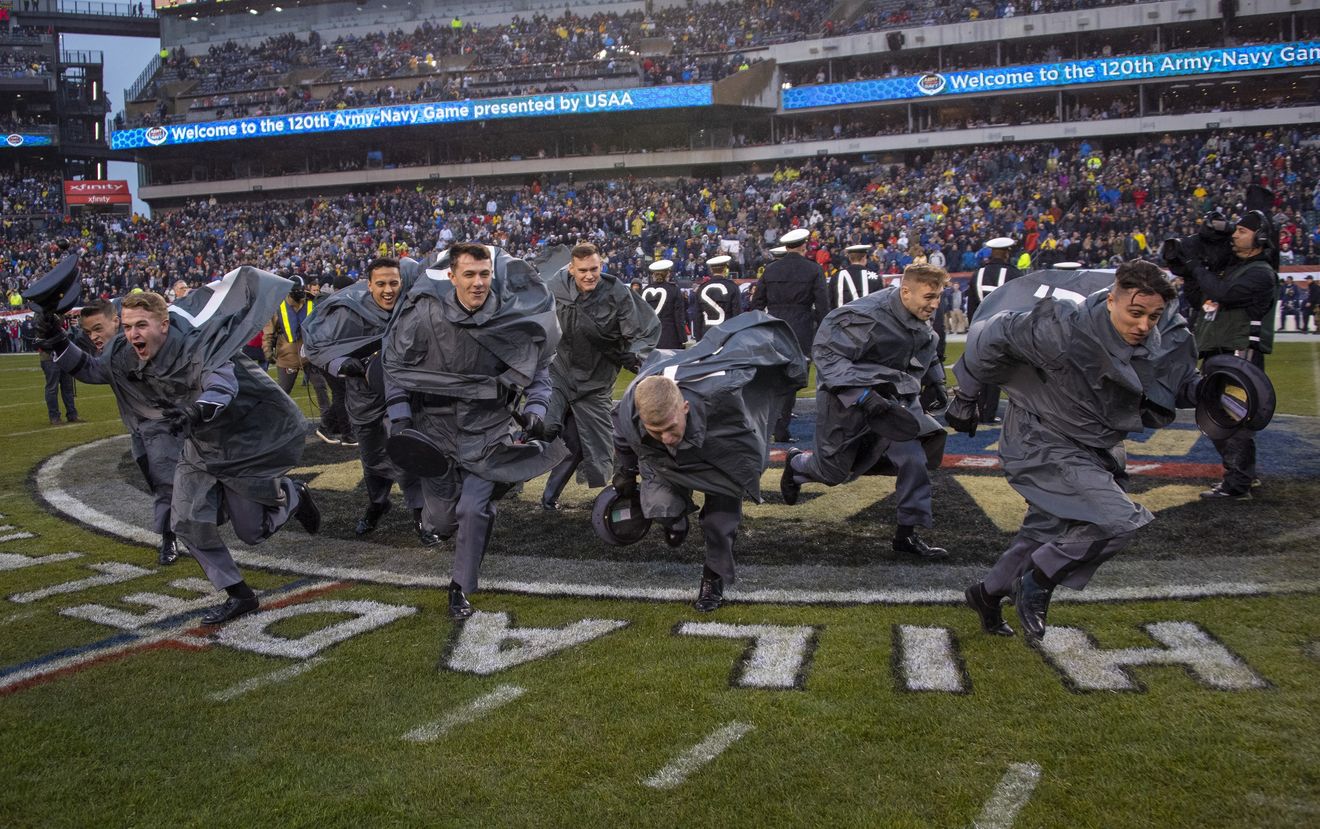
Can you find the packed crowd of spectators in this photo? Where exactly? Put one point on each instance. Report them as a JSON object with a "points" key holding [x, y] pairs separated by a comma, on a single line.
{"points": [[1075, 200], [23, 63], [455, 60], [30, 194]]}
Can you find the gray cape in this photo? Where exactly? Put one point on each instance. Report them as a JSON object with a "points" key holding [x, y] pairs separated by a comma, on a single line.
{"points": [[349, 323], [598, 330], [1075, 390], [733, 382], [516, 330], [874, 342], [260, 435]]}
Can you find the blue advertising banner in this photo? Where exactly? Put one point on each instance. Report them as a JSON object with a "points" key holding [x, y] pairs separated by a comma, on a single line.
{"points": [[1064, 73], [18, 139], [411, 115]]}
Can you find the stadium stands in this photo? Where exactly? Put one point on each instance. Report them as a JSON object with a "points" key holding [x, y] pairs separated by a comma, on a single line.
{"points": [[1077, 200]]}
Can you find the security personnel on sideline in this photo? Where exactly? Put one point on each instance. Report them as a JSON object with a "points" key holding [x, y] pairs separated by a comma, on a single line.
{"points": [[283, 347], [989, 276], [1236, 315], [854, 280], [718, 298], [666, 299], [793, 289]]}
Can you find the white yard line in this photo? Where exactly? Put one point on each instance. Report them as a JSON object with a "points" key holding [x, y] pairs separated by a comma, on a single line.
{"points": [[683, 766], [1008, 798], [272, 678], [473, 711]]}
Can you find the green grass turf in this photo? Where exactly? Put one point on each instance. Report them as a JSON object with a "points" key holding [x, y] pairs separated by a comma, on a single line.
{"points": [[139, 742]]}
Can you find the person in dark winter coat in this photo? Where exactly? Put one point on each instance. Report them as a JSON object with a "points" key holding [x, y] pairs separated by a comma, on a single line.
{"points": [[666, 299], [793, 289]]}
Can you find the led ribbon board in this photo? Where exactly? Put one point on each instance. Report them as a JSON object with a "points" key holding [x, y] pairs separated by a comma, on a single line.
{"points": [[414, 115], [15, 140], [1064, 73]]}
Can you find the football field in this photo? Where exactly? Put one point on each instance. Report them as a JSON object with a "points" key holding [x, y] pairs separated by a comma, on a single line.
{"points": [[841, 686]]}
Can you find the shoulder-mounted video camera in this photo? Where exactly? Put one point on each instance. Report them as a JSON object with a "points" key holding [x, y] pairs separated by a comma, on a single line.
{"points": [[1211, 245]]}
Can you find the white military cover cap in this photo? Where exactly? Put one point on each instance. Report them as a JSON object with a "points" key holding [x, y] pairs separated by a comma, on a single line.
{"points": [[779, 251], [857, 248], [660, 265], [719, 261], [1068, 266], [794, 237], [1000, 242]]}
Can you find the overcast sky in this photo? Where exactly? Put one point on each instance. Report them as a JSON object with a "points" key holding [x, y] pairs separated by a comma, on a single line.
{"points": [[125, 58]]}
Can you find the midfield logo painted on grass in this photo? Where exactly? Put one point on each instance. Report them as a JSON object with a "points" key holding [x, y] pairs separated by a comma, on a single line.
{"points": [[774, 657]]}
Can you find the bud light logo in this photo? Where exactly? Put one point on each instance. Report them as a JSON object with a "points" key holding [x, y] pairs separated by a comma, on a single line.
{"points": [[14, 140], [157, 136], [930, 84]]}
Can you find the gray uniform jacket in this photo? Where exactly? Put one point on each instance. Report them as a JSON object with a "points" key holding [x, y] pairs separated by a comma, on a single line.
{"points": [[596, 330], [259, 435], [875, 342], [464, 372], [1075, 391], [733, 381], [348, 323]]}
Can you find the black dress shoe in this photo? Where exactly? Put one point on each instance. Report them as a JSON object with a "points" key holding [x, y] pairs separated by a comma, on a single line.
{"points": [[987, 607], [1218, 493], [789, 488], [913, 545], [711, 594], [168, 551], [307, 513], [1032, 601], [231, 609], [676, 533], [428, 537], [459, 607], [371, 518]]}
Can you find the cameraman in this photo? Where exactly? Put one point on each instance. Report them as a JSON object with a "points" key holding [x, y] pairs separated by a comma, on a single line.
{"points": [[1235, 312]]}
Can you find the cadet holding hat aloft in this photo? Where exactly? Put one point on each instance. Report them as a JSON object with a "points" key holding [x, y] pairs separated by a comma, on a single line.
{"points": [[717, 299], [666, 299], [993, 274], [793, 289], [877, 372]]}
